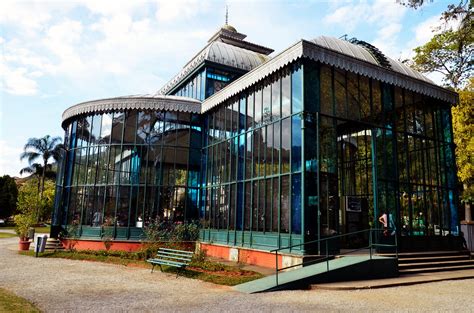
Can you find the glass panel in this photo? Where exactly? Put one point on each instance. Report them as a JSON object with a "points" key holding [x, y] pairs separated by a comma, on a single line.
{"points": [[353, 97], [326, 90], [250, 103], [276, 204], [295, 143], [130, 127], [269, 150], [248, 202], [268, 204], [276, 100], [285, 204], [297, 89], [258, 107], [276, 148], [285, 96], [96, 123], [296, 204], [267, 114], [376, 101], [340, 93], [285, 145], [248, 156], [117, 127]]}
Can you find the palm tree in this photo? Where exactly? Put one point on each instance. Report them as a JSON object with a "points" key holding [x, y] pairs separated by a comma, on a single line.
{"points": [[36, 170], [41, 148]]}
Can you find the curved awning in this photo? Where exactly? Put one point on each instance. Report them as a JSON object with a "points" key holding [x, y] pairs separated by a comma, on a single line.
{"points": [[135, 102]]}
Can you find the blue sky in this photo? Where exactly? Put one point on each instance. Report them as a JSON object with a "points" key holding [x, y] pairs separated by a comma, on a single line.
{"points": [[58, 53]]}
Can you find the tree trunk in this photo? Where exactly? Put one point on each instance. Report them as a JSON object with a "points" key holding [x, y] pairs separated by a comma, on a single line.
{"points": [[43, 174], [467, 209]]}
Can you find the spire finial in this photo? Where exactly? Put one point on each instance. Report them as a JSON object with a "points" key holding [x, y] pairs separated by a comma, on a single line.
{"points": [[226, 14]]}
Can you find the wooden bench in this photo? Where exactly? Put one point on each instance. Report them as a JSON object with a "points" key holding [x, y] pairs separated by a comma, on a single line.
{"points": [[171, 257]]}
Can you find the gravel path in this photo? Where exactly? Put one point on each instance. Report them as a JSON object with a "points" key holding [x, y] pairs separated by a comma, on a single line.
{"points": [[59, 285]]}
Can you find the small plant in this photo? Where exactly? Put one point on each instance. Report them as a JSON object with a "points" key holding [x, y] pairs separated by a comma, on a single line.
{"points": [[23, 222], [107, 237], [200, 256], [72, 234]]}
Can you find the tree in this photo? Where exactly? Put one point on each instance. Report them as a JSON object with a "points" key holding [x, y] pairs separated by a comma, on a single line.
{"points": [[8, 196], [451, 53], [30, 204], [463, 126], [36, 170], [44, 149]]}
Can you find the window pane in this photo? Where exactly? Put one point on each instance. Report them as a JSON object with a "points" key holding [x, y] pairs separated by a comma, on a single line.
{"points": [[296, 204], [340, 92], [276, 204], [96, 123], [117, 127], [267, 114], [297, 90], [326, 90], [285, 96], [250, 101], [276, 148], [285, 204], [276, 100], [130, 127], [285, 145], [295, 143]]}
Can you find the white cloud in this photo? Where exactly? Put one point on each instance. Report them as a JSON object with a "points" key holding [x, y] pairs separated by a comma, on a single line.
{"points": [[18, 81], [350, 15], [168, 11], [10, 163], [114, 7], [424, 30], [27, 15]]}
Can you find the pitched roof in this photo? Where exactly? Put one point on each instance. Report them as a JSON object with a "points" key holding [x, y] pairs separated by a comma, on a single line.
{"points": [[350, 57]]}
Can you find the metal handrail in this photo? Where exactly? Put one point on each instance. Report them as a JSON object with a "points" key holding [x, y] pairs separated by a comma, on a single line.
{"points": [[327, 256]]}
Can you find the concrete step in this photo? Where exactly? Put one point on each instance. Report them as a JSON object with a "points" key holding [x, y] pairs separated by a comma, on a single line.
{"points": [[51, 245], [426, 254], [437, 258], [435, 269], [434, 264]]}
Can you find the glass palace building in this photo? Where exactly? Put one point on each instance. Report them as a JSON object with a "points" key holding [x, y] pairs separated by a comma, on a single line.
{"points": [[266, 152]]}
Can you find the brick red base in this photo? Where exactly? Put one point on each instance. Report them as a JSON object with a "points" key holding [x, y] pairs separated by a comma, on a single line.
{"points": [[99, 245], [244, 255]]}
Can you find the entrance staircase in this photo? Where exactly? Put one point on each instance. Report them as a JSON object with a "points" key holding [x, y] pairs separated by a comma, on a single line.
{"points": [[52, 244], [434, 261], [357, 264]]}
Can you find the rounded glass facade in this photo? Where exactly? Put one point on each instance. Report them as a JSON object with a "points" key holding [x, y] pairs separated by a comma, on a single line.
{"points": [[125, 168]]}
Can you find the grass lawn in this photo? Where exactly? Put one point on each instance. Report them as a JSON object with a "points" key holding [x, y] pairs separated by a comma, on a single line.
{"points": [[7, 235], [213, 272], [9, 302], [45, 229]]}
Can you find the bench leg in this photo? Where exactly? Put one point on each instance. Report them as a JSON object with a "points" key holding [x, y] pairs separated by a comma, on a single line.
{"points": [[153, 267], [161, 269]]}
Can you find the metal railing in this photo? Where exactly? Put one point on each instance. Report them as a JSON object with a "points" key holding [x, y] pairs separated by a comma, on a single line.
{"points": [[372, 244]]}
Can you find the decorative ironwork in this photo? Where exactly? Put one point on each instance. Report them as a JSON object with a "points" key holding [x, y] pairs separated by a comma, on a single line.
{"points": [[166, 103]]}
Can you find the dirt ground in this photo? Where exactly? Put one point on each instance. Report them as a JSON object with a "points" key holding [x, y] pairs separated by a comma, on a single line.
{"points": [[59, 285]]}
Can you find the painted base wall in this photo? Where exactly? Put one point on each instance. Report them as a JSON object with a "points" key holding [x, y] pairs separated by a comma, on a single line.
{"points": [[249, 256], [99, 245]]}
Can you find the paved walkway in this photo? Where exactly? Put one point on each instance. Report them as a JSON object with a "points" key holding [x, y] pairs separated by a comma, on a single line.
{"points": [[406, 280], [59, 285]]}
